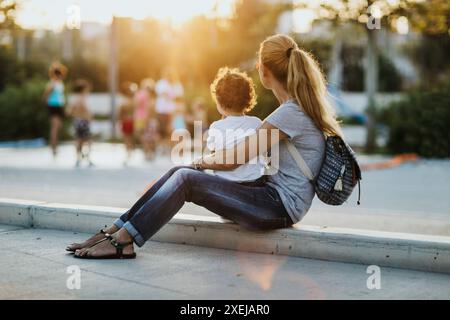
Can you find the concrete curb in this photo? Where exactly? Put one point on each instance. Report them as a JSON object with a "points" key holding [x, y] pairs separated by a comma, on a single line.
{"points": [[401, 250]]}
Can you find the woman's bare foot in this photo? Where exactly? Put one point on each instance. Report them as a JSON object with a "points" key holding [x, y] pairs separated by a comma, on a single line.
{"points": [[89, 242], [105, 248]]}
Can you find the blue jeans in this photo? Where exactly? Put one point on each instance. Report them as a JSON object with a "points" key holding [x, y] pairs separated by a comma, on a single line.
{"points": [[257, 207]]}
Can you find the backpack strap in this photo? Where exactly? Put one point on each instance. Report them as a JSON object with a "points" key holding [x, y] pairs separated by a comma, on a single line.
{"points": [[299, 160]]}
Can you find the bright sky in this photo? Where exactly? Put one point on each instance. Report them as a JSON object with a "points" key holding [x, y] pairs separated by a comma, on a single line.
{"points": [[55, 13]]}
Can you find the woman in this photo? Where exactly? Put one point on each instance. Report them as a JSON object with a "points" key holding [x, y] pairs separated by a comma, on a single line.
{"points": [[304, 117], [55, 100]]}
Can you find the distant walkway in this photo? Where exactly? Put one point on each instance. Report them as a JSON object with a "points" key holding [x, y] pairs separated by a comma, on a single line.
{"points": [[418, 190]]}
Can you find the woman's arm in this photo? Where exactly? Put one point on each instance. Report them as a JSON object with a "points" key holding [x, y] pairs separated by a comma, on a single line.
{"points": [[228, 159]]}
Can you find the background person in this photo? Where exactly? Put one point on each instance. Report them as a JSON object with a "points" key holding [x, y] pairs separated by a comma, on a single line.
{"points": [[178, 124], [82, 118], [179, 115], [55, 100], [168, 90], [126, 118], [145, 121], [198, 115], [142, 101], [151, 137]]}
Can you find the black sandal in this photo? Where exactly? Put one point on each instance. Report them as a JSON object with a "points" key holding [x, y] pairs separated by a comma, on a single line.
{"points": [[119, 250], [70, 249]]}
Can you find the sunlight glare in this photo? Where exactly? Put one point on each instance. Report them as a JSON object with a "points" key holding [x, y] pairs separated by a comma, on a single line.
{"points": [[402, 25], [302, 20], [53, 14]]}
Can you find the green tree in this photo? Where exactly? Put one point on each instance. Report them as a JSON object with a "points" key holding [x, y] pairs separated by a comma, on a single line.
{"points": [[197, 49], [22, 113], [7, 11], [143, 49], [426, 17], [419, 123]]}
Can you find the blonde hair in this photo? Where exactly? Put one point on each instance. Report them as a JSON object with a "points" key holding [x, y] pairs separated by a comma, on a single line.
{"points": [[57, 69], [302, 77]]}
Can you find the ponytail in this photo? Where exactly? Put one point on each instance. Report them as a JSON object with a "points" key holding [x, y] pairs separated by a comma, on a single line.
{"points": [[303, 79]]}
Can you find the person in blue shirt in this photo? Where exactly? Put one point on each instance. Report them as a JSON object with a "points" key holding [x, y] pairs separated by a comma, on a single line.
{"points": [[55, 100]]}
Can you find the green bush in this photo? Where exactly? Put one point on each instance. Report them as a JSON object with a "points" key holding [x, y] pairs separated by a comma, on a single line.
{"points": [[419, 123], [430, 55], [389, 78], [23, 115], [15, 72]]}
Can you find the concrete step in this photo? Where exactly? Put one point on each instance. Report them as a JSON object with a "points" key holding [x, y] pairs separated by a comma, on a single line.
{"points": [[369, 247]]}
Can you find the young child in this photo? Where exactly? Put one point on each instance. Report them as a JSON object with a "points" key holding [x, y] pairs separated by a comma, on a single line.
{"points": [[234, 94], [79, 111]]}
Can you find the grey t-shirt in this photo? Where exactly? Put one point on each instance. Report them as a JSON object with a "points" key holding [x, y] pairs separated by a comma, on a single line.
{"points": [[295, 190]]}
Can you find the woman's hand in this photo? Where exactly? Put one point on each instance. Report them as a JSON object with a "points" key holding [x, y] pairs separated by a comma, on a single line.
{"points": [[197, 163], [251, 147], [207, 162]]}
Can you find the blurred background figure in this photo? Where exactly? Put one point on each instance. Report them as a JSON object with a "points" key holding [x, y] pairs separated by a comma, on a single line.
{"points": [[168, 89], [54, 97], [198, 115], [79, 111], [126, 118], [151, 136], [142, 103], [144, 117], [179, 114], [178, 123]]}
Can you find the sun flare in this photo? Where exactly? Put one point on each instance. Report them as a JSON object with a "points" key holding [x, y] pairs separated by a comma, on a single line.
{"points": [[54, 14]]}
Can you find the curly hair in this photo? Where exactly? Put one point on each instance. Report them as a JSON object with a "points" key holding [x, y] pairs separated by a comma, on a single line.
{"points": [[233, 90]]}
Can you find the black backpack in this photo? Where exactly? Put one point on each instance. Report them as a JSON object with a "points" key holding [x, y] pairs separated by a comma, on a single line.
{"points": [[338, 175]]}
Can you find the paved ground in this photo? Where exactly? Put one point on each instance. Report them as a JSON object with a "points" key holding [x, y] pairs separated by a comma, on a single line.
{"points": [[409, 198], [33, 265]]}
